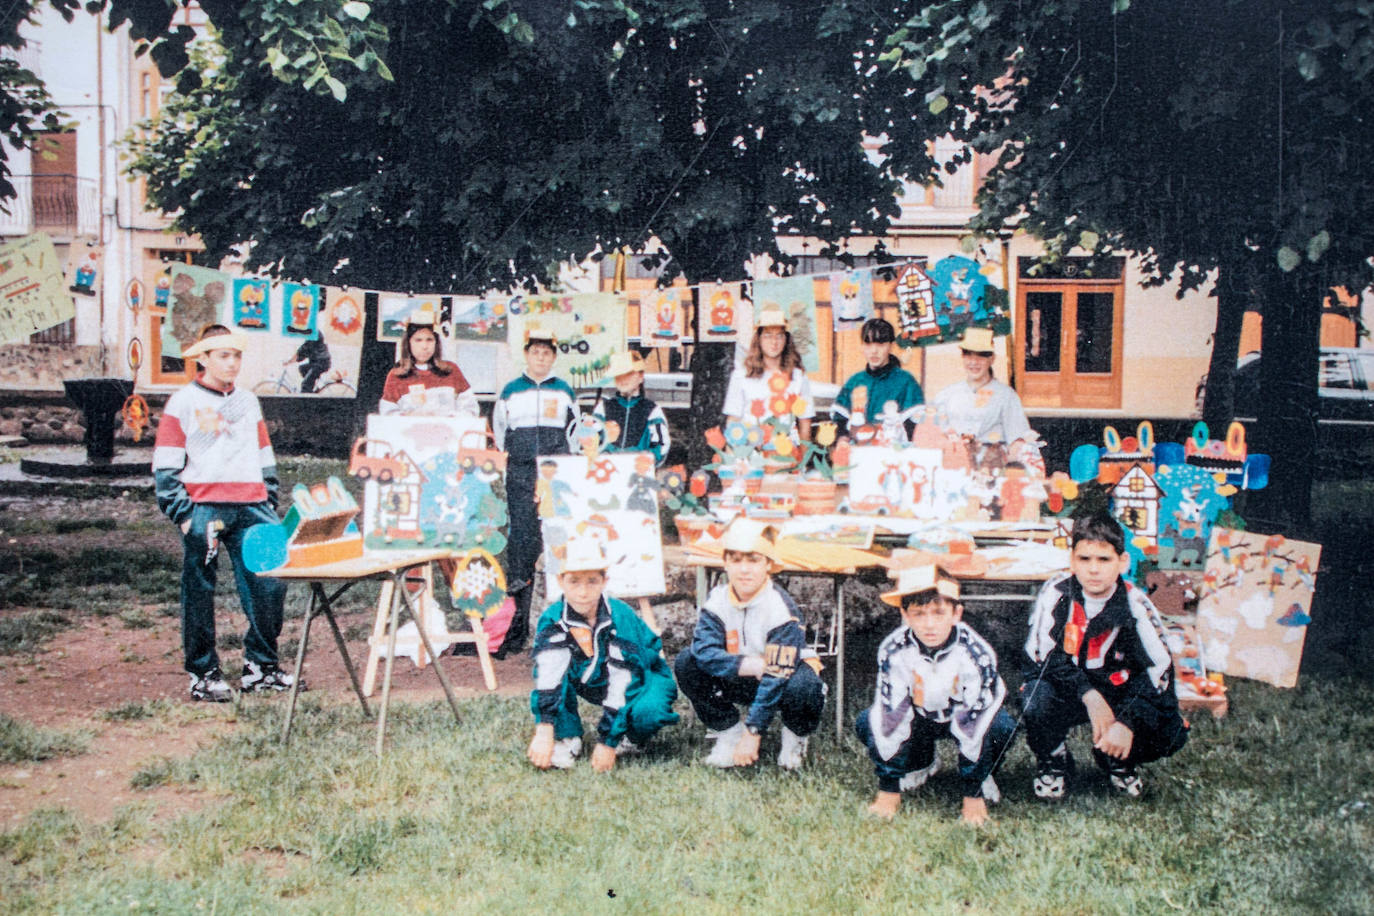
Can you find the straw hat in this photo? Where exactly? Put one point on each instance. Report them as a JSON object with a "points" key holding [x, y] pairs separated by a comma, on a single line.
{"points": [[748, 535], [424, 315], [919, 579], [623, 364], [540, 335], [585, 555], [232, 340], [771, 318], [977, 340]]}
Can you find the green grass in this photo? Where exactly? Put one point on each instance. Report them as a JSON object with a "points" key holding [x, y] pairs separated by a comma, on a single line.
{"points": [[1259, 813], [21, 742]]}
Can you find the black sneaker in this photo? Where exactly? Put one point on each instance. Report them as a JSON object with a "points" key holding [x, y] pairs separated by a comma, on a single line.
{"points": [[1124, 780], [210, 686], [1052, 775], [265, 679]]}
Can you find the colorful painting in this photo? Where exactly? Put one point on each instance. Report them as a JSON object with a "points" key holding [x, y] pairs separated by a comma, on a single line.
{"points": [[300, 305], [478, 318], [614, 499], [851, 298], [795, 297], [894, 481], [916, 321], [661, 317], [393, 311], [724, 316], [197, 296], [31, 293], [1255, 604], [249, 303], [587, 329], [430, 482], [960, 296]]}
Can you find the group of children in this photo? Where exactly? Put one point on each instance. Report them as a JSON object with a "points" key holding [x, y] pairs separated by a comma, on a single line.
{"points": [[1094, 655]]}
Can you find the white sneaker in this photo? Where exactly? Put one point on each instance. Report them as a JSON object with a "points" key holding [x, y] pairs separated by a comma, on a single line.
{"points": [[627, 748], [917, 778], [793, 750], [565, 752], [991, 794], [723, 754]]}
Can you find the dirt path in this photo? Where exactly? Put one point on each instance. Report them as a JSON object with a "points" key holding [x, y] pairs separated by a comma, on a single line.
{"points": [[100, 664]]}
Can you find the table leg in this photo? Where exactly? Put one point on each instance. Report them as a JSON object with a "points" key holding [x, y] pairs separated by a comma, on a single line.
{"points": [[398, 589], [839, 661], [348, 662], [317, 596], [424, 641]]}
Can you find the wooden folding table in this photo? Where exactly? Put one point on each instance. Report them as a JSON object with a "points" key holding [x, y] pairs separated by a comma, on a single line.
{"points": [[389, 567]]}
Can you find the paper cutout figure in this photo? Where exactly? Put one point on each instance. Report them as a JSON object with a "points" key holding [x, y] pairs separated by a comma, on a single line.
{"points": [[724, 312], [84, 262], [134, 354], [135, 415], [660, 318], [300, 306], [851, 298], [915, 303], [250, 303], [133, 296]]}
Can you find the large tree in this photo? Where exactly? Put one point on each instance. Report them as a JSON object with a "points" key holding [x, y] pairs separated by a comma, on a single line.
{"points": [[1227, 136], [512, 136], [515, 135]]}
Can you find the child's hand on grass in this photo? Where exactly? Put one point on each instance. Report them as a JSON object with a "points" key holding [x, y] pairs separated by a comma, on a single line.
{"points": [[747, 750], [885, 805], [975, 812], [603, 758], [541, 746]]}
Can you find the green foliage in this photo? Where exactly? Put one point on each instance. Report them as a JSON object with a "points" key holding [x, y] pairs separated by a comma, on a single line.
{"points": [[21, 742], [540, 134]]}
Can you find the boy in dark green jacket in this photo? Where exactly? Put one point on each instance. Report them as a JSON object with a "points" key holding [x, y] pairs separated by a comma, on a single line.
{"points": [[591, 646], [865, 397]]}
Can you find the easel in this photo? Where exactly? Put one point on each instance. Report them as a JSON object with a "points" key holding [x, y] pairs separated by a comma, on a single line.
{"points": [[381, 638]]}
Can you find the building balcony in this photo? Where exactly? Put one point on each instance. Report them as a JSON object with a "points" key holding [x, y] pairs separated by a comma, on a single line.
{"points": [[63, 206]]}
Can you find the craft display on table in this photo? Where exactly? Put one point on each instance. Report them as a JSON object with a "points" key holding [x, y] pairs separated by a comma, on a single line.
{"points": [[320, 527], [1255, 604], [612, 499], [430, 482], [1167, 495]]}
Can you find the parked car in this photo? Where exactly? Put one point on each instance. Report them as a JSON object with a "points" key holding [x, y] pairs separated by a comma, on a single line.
{"points": [[1345, 386]]}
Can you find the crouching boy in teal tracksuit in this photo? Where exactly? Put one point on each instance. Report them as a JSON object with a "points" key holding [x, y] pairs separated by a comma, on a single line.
{"points": [[590, 646]]}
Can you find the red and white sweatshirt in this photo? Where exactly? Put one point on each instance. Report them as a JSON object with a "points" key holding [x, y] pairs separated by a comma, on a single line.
{"points": [[212, 447]]}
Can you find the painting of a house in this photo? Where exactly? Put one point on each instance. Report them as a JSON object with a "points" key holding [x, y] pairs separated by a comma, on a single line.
{"points": [[1135, 502]]}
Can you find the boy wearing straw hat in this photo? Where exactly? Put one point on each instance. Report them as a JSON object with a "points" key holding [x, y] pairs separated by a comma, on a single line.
{"points": [[640, 425], [980, 406], [937, 678], [749, 650], [216, 477], [594, 647]]}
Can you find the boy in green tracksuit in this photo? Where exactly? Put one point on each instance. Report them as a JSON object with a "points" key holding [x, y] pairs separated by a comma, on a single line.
{"points": [[594, 647]]}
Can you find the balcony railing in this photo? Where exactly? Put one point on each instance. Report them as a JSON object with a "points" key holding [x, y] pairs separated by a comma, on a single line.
{"points": [[64, 206]]}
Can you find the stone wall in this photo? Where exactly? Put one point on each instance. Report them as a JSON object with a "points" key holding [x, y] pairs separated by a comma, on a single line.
{"points": [[48, 418], [42, 367]]}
